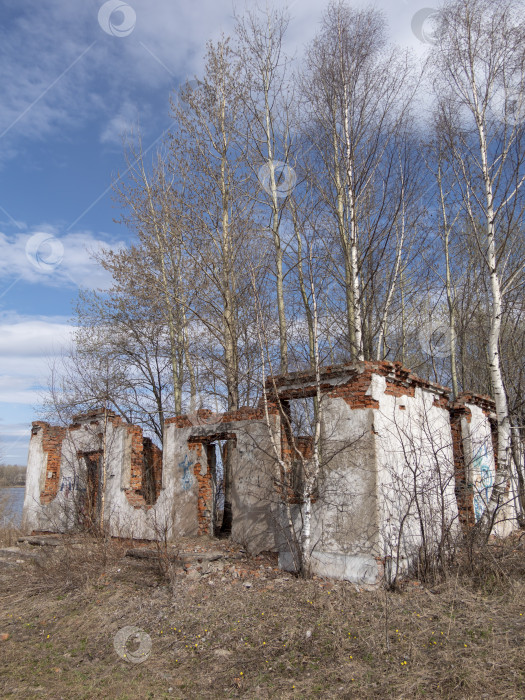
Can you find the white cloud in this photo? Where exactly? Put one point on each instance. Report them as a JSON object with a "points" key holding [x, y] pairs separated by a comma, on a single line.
{"points": [[14, 430], [31, 337], [121, 125], [45, 257], [59, 69], [14, 442], [27, 348]]}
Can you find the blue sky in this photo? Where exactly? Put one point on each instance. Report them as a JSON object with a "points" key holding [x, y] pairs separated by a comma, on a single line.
{"points": [[74, 76]]}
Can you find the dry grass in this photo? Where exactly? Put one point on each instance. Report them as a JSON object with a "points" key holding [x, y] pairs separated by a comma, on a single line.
{"points": [[8, 531], [280, 638]]}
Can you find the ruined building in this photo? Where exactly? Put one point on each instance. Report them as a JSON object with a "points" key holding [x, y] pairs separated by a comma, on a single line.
{"points": [[399, 462]]}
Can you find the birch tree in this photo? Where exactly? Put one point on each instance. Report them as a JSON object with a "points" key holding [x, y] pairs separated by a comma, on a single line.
{"points": [[446, 261], [357, 94], [267, 100], [479, 63], [215, 212], [209, 145]]}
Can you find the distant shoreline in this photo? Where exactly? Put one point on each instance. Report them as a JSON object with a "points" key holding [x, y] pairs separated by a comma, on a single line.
{"points": [[13, 476]]}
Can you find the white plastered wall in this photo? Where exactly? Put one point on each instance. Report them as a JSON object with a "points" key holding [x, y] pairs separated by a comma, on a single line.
{"points": [[344, 516], [416, 475]]}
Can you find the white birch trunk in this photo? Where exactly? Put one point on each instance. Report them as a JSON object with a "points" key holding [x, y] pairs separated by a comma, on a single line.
{"points": [[500, 487], [354, 257]]}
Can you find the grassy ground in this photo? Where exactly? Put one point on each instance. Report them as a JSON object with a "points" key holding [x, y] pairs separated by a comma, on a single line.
{"points": [[245, 629]]}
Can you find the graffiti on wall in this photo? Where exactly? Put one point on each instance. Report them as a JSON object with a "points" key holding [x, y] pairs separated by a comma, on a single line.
{"points": [[187, 479], [68, 484], [483, 480]]}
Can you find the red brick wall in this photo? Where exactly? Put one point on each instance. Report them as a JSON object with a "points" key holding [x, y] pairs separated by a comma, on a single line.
{"points": [[143, 451], [464, 494], [244, 413], [144, 455], [205, 489], [354, 393], [458, 410], [355, 379], [52, 438], [354, 375]]}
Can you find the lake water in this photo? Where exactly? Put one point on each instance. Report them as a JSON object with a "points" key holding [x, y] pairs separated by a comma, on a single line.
{"points": [[15, 502]]}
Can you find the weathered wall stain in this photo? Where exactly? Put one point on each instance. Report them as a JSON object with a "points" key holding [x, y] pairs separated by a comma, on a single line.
{"points": [[186, 479]]}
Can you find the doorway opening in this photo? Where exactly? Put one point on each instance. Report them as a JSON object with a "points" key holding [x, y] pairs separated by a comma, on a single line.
{"points": [[214, 465], [90, 508]]}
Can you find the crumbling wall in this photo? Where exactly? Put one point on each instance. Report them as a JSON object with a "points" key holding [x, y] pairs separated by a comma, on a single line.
{"points": [[345, 515], [99, 447], [416, 487], [56, 479], [387, 449], [346, 523], [399, 465], [52, 438], [145, 470], [474, 428], [252, 481], [149, 494]]}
